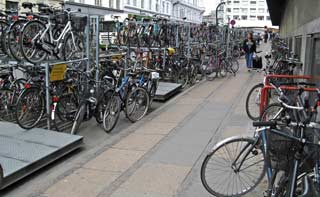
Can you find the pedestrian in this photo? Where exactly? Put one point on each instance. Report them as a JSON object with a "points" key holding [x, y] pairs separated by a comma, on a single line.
{"points": [[266, 36], [249, 47], [258, 39]]}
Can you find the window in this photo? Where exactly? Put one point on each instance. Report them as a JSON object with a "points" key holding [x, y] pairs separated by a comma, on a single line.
{"points": [[228, 2], [157, 6], [252, 17], [10, 5], [228, 16], [260, 18], [252, 10], [315, 71], [268, 18], [236, 3], [128, 2], [228, 9], [244, 10], [290, 43], [244, 17], [142, 3], [261, 3], [163, 6], [297, 46], [236, 10], [245, 2], [97, 2], [236, 17], [111, 4], [253, 3], [134, 2], [150, 4], [182, 14], [261, 10], [168, 8]]}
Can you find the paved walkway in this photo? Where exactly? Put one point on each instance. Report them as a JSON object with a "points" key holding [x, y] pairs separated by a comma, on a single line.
{"points": [[162, 155]]}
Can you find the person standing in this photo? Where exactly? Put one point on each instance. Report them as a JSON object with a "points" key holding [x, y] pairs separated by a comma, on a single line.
{"points": [[266, 36], [249, 47]]}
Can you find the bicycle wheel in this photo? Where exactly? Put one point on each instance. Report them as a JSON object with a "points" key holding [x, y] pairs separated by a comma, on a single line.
{"points": [[253, 102], [13, 37], [223, 69], [3, 27], [31, 44], [73, 47], [78, 119], [182, 78], [221, 174], [30, 108], [234, 65], [67, 107], [111, 114], [6, 101], [274, 111], [137, 104], [102, 104], [153, 90]]}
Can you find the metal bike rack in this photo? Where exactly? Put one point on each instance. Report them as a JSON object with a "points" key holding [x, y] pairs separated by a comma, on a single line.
{"points": [[23, 152]]}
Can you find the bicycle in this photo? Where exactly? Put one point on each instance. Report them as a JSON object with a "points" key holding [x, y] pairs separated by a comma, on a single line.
{"points": [[37, 39], [258, 154]]}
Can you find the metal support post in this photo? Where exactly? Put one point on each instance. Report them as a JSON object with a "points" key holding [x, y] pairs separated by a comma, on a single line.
{"points": [[47, 95], [97, 51], [88, 42]]}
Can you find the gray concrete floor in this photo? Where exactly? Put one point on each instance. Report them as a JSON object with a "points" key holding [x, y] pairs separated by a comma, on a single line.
{"points": [[159, 156]]}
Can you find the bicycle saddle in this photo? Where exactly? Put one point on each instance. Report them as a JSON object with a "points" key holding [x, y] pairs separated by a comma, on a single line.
{"points": [[42, 5], [27, 5]]}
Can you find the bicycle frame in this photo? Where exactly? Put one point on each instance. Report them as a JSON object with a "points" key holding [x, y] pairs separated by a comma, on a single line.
{"points": [[261, 139], [65, 31]]}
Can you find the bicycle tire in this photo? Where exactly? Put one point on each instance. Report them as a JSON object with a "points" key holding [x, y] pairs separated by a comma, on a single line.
{"points": [[253, 115], [69, 52], [101, 106], [78, 119], [182, 78], [224, 162], [136, 93], [3, 26], [6, 103], [22, 104], [25, 42], [13, 37], [113, 109]]}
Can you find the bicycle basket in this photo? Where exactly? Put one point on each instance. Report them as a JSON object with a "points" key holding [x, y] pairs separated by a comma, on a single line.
{"points": [[280, 149], [79, 23], [61, 19]]}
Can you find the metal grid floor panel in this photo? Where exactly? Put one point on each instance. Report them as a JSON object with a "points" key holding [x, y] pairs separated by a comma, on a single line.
{"points": [[24, 151]]}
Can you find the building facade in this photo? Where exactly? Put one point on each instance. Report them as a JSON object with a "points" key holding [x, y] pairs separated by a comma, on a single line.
{"points": [[247, 13], [189, 10], [299, 23], [16, 4]]}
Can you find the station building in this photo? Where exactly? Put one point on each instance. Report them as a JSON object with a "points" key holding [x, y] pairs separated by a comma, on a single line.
{"points": [[299, 23]]}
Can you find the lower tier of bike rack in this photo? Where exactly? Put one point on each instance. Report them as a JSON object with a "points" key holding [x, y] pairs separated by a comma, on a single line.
{"points": [[166, 90], [23, 152]]}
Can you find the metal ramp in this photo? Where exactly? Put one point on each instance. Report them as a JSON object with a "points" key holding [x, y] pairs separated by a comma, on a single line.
{"points": [[166, 90], [22, 152]]}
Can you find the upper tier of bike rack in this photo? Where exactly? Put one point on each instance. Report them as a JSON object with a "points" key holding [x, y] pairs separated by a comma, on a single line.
{"points": [[23, 152]]}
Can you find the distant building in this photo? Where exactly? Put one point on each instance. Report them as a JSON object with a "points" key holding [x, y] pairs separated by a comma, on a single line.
{"points": [[247, 13], [210, 19], [192, 10], [299, 26]]}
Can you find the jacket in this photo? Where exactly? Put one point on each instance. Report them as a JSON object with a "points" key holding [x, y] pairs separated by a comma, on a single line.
{"points": [[249, 47]]}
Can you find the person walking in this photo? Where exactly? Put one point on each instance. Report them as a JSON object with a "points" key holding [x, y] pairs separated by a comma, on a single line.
{"points": [[249, 47]]}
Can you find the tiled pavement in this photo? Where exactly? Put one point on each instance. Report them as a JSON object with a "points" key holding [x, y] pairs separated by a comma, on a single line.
{"points": [[162, 157]]}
